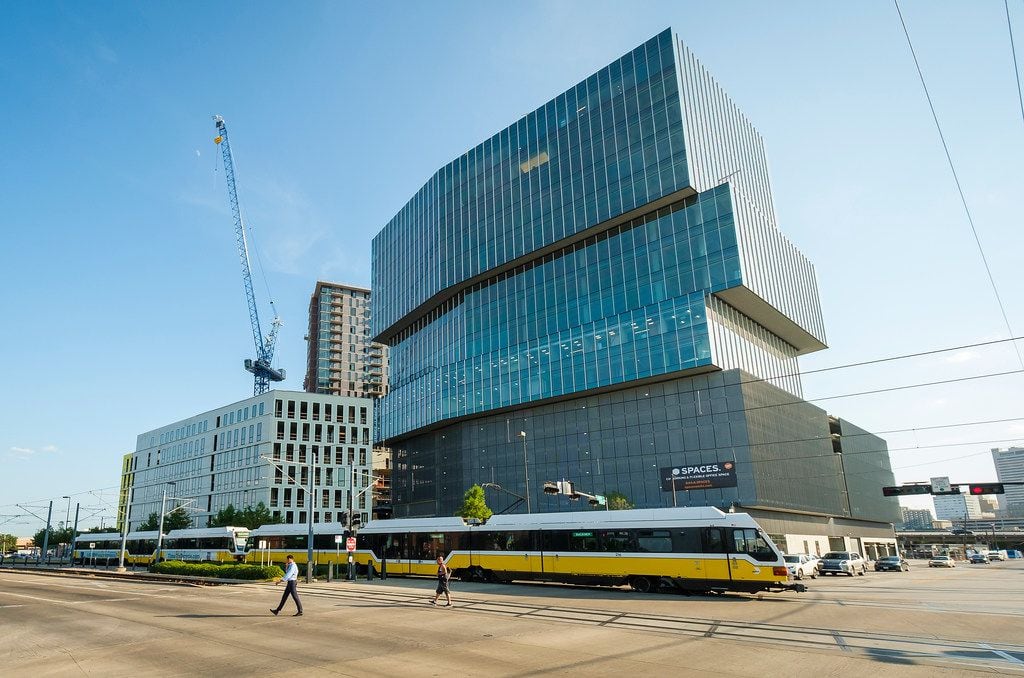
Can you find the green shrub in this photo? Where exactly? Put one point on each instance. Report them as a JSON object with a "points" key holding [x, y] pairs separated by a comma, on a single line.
{"points": [[214, 571]]}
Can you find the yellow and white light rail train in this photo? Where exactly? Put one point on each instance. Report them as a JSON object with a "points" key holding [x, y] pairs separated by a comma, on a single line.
{"points": [[693, 549]]}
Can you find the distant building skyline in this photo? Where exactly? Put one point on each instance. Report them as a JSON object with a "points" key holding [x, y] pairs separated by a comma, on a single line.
{"points": [[1009, 465], [916, 519]]}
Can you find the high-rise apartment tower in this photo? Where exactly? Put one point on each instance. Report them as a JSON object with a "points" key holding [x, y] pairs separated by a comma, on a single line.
{"points": [[341, 359]]}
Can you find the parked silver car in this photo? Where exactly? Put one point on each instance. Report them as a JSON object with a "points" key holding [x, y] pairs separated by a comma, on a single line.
{"points": [[843, 562]]}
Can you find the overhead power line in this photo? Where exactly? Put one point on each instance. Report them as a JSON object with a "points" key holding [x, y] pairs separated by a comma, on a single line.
{"points": [[956, 179], [1013, 52]]}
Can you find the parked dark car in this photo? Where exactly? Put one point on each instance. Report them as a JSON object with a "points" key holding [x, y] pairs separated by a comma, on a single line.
{"points": [[979, 559], [893, 563]]}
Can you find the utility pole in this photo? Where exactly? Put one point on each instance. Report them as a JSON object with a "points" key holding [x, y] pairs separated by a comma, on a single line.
{"points": [[160, 529], [309, 537], [67, 519], [46, 535], [74, 533]]}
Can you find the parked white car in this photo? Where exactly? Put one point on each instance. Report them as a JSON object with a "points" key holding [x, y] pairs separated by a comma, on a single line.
{"points": [[800, 566], [843, 562], [941, 561]]}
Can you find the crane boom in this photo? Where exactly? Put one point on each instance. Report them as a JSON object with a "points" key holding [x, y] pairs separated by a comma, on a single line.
{"points": [[261, 368]]}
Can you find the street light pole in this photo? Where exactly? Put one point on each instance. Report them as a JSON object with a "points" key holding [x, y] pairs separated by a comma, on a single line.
{"points": [[74, 534], [309, 514], [46, 535], [67, 519], [160, 529], [526, 469]]}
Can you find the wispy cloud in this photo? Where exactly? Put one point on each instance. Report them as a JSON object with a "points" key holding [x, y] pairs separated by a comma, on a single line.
{"points": [[962, 357], [24, 453]]}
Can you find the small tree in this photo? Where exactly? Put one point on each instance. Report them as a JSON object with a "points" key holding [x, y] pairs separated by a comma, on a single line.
{"points": [[8, 543], [251, 517], [58, 535], [618, 502], [227, 516], [177, 519], [474, 505]]}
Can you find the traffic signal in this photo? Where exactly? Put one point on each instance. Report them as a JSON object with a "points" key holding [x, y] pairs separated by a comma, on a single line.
{"points": [[986, 488], [901, 490], [597, 500], [551, 488]]}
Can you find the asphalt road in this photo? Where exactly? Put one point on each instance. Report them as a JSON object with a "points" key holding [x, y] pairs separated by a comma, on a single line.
{"points": [[969, 619]]}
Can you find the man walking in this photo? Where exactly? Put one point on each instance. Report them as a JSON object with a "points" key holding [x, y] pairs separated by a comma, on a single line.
{"points": [[291, 578], [443, 576]]}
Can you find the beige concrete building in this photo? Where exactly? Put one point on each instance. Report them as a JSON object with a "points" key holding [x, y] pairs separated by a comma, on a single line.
{"points": [[341, 360]]}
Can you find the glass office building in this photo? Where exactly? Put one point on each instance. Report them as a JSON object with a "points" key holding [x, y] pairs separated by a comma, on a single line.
{"points": [[618, 242]]}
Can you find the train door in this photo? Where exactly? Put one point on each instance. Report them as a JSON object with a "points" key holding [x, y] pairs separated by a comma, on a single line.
{"points": [[394, 552], [715, 560]]}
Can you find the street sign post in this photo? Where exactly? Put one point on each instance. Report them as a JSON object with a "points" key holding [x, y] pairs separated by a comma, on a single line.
{"points": [[350, 546]]}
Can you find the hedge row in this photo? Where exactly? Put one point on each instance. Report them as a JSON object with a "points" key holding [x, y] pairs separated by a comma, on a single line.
{"points": [[217, 571]]}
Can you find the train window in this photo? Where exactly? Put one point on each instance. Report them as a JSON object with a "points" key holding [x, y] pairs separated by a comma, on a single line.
{"points": [[395, 546], [713, 540], [428, 546], [455, 541], [502, 541], [686, 540], [622, 540], [654, 541], [750, 541], [582, 540], [555, 540]]}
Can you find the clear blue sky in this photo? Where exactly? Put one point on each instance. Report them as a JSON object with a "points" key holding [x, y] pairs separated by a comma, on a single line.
{"points": [[122, 308]]}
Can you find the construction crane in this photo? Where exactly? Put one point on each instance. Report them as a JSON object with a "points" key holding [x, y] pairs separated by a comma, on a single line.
{"points": [[261, 368]]}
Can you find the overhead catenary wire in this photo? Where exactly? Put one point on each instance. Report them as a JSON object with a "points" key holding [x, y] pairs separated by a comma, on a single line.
{"points": [[1013, 53], [959, 187]]}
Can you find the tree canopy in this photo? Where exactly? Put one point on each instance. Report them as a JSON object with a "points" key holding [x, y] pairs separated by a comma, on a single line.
{"points": [[618, 502], [474, 504], [177, 519], [8, 543], [251, 517]]}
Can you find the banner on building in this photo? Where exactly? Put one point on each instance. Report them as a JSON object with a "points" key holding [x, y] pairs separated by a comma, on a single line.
{"points": [[701, 477]]}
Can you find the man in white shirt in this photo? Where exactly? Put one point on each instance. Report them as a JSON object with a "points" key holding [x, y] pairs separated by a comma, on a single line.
{"points": [[291, 578]]}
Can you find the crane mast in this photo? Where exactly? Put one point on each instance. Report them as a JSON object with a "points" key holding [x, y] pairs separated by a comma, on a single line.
{"points": [[261, 368]]}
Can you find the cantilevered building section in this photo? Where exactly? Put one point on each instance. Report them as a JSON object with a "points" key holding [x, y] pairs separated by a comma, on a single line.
{"points": [[341, 359], [607, 277]]}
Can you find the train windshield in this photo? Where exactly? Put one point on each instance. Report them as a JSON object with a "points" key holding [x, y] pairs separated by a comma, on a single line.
{"points": [[749, 541]]}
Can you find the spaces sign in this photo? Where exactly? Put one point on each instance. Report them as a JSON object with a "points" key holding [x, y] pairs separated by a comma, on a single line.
{"points": [[702, 477]]}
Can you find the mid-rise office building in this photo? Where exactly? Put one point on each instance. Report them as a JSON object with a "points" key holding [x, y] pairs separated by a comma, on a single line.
{"points": [[1009, 465], [261, 449], [340, 358], [955, 507], [916, 519], [600, 292], [124, 496]]}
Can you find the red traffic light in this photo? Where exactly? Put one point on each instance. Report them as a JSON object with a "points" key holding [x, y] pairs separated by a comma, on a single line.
{"points": [[986, 488]]}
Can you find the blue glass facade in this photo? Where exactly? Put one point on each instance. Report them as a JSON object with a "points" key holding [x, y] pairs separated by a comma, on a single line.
{"points": [[621, 305], [574, 277], [610, 144]]}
